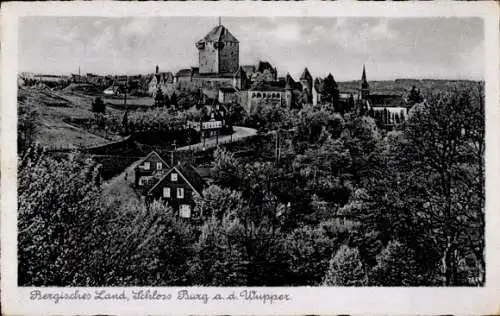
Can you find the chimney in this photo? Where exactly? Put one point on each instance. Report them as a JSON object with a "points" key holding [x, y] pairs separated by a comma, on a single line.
{"points": [[157, 69]]}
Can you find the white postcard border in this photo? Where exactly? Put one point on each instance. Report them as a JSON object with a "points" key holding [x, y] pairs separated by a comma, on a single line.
{"points": [[308, 300]]}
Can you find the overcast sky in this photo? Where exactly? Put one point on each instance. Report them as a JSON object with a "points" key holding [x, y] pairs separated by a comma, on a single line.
{"points": [[451, 48]]}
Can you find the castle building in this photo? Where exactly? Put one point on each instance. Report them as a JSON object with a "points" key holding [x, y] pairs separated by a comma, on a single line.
{"points": [[219, 72], [218, 52], [387, 109]]}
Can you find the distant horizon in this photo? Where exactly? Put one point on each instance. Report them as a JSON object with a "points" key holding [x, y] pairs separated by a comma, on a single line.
{"points": [[391, 48], [294, 77]]}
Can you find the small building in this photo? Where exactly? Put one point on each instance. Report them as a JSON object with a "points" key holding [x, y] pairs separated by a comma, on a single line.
{"points": [[227, 95], [161, 80], [112, 90], [178, 187], [388, 109]]}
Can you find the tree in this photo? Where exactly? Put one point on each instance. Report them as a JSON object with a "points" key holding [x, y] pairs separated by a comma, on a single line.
{"points": [[159, 98], [415, 96], [147, 245], [60, 222], [166, 100], [220, 259], [308, 252], [443, 148], [346, 269], [98, 106], [226, 169], [396, 266], [330, 90], [28, 123], [218, 202], [125, 123], [428, 190], [173, 100]]}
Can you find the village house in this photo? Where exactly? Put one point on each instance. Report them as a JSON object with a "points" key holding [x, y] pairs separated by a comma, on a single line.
{"points": [[178, 187], [159, 177], [161, 80]]}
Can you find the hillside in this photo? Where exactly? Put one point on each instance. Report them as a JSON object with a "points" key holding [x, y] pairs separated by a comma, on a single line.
{"points": [[53, 109], [398, 86]]}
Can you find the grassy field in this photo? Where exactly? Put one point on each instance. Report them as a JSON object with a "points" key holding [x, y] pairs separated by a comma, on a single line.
{"points": [[55, 106], [118, 102]]}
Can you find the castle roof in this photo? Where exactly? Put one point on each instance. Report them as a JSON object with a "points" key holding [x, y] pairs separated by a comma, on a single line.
{"points": [[289, 82], [220, 34], [263, 65], [306, 75]]}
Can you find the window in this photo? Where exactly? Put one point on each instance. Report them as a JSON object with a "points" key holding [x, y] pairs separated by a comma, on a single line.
{"points": [[166, 192], [185, 211], [159, 166], [141, 181], [146, 165], [173, 177], [180, 193]]}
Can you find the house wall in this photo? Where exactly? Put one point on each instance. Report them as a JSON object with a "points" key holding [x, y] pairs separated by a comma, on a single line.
{"points": [[254, 99], [210, 83], [174, 201], [390, 115]]}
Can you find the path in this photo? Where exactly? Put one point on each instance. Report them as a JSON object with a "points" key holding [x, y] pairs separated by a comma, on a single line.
{"points": [[239, 133]]}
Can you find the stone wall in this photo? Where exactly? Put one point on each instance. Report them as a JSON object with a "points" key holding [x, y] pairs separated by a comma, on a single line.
{"points": [[208, 58], [229, 57]]}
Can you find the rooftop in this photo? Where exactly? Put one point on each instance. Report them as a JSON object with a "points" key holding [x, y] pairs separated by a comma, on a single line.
{"points": [[220, 34]]}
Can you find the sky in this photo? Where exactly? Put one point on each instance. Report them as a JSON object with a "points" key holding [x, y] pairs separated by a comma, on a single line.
{"points": [[391, 48]]}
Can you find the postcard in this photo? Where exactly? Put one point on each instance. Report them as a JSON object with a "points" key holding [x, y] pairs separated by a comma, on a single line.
{"points": [[250, 158]]}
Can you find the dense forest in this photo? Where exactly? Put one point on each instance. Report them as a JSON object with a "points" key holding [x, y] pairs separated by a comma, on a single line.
{"points": [[325, 200]]}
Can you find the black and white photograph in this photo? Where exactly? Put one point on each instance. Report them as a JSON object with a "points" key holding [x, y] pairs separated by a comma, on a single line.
{"points": [[251, 151]]}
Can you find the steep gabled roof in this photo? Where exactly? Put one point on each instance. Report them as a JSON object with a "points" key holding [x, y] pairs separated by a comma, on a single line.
{"points": [[192, 178], [263, 65], [306, 75], [220, 34], [151, 154]]}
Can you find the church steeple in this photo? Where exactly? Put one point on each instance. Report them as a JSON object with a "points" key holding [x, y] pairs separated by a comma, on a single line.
{"points": [[365, 88]]}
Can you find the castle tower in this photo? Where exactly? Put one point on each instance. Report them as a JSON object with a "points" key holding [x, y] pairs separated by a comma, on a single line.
{"points": [[306, 81], [365, 88], [218, 51]]}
